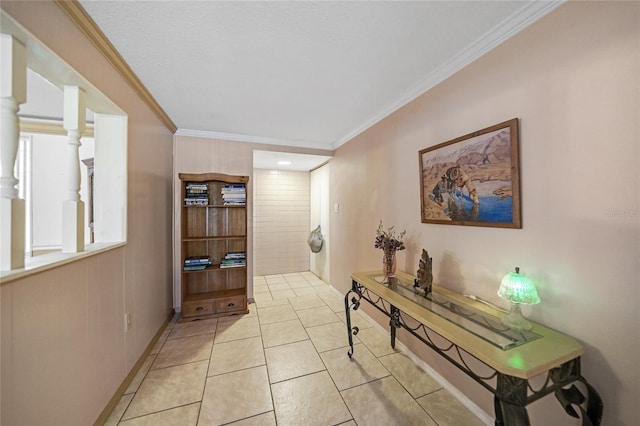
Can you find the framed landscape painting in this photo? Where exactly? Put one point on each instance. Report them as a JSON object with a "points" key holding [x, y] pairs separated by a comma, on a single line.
{"points": [[473, 180]]}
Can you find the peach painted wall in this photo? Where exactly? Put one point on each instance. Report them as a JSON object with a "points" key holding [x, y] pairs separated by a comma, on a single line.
{"points": [[64, 347], [203, 155], [573, 80]]}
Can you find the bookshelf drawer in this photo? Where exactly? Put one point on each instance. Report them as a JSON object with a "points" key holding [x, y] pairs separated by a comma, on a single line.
{"points": [[230, 304], [191, 309]]}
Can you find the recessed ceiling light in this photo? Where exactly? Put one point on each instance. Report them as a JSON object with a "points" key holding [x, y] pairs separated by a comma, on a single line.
{"points": [[284, 163]]}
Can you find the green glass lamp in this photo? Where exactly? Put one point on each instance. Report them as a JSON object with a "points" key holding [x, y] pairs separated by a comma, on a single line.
{"points": [[517, 289]]}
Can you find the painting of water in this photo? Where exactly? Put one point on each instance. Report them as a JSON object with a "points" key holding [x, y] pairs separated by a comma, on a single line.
{"points": [[473, 180]]}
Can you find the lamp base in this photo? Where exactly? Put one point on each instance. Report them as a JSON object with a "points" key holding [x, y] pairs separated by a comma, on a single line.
{"points": [[515, 320]]}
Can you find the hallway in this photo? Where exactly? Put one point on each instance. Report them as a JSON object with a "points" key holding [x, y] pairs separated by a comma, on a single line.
{"points": [[284, 363]]}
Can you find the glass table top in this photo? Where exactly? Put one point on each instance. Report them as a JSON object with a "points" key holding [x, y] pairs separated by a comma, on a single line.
{"points": [[482, 324]]}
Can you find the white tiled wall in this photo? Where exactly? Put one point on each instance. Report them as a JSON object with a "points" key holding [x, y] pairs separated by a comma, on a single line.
{"points": [[280, 221]]}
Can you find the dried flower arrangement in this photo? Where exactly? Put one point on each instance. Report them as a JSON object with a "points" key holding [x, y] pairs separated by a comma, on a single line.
{"points": [[387, 240]]}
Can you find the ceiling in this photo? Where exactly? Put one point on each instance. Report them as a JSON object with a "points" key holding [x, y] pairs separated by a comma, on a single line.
{"points": [[274, 160], [299, 73]]}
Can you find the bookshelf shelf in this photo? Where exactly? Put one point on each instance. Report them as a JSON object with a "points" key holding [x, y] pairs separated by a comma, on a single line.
{"points": [[212, 268], [213, 238], [213, 206], [213, 245]]}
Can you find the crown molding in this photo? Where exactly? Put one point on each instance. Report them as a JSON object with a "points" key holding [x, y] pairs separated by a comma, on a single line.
{"points": [[515, 23], [252, 139], [90, 29]]}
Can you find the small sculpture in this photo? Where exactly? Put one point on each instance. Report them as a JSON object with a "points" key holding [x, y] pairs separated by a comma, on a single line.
{"points": [[315, 240], [425, 274]]}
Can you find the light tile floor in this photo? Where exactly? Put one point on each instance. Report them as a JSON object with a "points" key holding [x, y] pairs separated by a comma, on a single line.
{"points": [[284, 363]]}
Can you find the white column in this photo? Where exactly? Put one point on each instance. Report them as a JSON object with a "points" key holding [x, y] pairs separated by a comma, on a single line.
{"points": [[13, 92], [73, 207]]}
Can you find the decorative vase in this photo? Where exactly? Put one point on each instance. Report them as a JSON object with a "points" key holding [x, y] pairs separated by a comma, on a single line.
{"points": [[389, 263]]}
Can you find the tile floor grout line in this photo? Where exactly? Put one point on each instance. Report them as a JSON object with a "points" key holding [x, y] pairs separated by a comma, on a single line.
{"points": [[308, 338], [143, 378], [266, 366], [246, 418], [179, 365], [126, 408], [168, 331], [338, 390], [333, 380], [159, 411], [300, 376], [290, 301], [237, 370], [403, 386], [206, 375]]}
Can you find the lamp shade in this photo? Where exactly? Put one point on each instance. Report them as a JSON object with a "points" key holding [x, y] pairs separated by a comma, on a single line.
{"points": [[516, 288]]}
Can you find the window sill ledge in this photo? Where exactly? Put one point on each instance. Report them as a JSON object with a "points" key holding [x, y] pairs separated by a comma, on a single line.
{"points": [[45, 262]]}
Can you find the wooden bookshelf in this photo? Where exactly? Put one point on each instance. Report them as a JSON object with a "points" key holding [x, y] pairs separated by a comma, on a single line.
{"points": [[214, 226]]}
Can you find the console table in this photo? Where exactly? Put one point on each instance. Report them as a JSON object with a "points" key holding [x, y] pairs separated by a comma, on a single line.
{"points": [[472, 329]]}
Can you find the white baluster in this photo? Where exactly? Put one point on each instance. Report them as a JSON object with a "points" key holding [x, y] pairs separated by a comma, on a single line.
{"points": [[73, 165], [10, 128], [13, 92], [73, 207]]}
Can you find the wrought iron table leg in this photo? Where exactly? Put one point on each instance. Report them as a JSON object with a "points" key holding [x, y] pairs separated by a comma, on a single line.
{"points": [[510, 401], [394, 323], [508, 414], [570, 396], [594, 404], [351, 331]]}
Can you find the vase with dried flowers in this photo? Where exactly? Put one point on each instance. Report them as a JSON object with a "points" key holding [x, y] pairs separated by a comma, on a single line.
{"points": [[390, 243]]}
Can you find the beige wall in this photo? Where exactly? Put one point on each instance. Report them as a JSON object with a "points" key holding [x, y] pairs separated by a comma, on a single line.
{"points": [[573, 80], [64, 347], [280, 221], [202, 155], [321, 213]]}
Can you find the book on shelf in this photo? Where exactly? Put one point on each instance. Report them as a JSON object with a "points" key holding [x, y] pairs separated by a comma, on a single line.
{"points": [[234, 259], [233, 192], [234, 187], [195, 260], [232, 265], [196, 194], [196, 201], [196, 267], [235, 255], [196, 186], [196, 263]]}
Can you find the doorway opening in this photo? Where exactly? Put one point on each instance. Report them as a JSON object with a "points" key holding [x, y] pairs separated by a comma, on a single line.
{"points": [[290, 199]]}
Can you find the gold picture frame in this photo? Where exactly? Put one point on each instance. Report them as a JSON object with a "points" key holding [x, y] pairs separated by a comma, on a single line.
{"points": [[473, 180]]}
